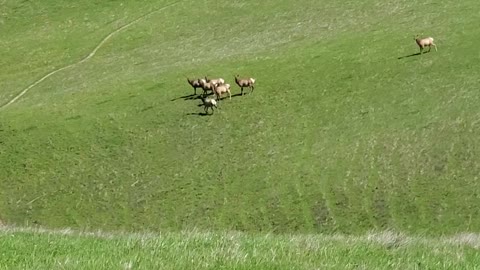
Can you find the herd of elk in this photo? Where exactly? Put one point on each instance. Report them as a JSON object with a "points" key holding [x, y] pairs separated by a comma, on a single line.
{"points": [[218, 87]]}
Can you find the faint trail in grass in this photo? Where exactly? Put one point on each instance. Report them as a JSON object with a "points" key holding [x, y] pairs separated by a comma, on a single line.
{"points": [[90, 55]]}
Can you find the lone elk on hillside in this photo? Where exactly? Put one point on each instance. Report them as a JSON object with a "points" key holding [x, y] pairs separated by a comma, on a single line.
{"points": [[424, 42]]}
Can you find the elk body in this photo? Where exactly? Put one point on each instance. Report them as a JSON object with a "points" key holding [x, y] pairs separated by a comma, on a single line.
{"points": [[208, 103], [424, 42], [245, 82], [206, 86], [215, 81], [195, 83], [218, 90]]}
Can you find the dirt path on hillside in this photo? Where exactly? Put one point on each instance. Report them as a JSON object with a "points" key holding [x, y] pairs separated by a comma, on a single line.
{"points": [[90, 55]]}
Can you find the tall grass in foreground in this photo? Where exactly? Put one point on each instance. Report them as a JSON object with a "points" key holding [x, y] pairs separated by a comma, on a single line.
{"points": [[27, 248]]}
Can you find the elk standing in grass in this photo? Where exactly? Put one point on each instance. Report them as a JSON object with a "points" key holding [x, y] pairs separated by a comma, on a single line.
{"points": [[208, 103], [215, 81], [424, 42], [218, 90], [206, 86], [195, 83], [245, 82]]}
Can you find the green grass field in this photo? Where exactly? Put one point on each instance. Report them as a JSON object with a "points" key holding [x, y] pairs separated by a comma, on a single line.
{"points": [[347, 131], [65, 249]]}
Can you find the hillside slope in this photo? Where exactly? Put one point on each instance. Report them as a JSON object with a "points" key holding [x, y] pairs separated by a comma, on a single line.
{"points": [[347, 129]]}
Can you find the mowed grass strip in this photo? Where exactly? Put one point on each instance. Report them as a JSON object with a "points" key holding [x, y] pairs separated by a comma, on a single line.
{"points": [[346, 131], [24, 248]]}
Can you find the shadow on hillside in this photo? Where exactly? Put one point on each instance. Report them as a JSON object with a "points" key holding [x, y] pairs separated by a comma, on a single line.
{"points": [[199, 114], [187, 97], [146, 109], [197, 96], [233, 96], [410, 55], [73, 117], [221, 99]]}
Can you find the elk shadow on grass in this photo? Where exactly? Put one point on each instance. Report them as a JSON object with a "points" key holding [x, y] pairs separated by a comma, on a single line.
{"points": [[75, 117], [410, 55], [146, 108], [220, 99], [197, 96], [200, 114], [233, 96], [188, 97]]}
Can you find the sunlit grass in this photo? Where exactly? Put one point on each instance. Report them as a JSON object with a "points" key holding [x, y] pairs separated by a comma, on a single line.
{"points": [[27, 248], [340, 134]]}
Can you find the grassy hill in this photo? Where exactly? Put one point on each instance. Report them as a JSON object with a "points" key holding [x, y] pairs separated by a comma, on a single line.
{"points": [[347, 131]]}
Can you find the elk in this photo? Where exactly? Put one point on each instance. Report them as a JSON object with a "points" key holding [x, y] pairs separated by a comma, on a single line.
{"points": [[245, 82], [206, 86], [215, 81], [208, 103], [195, 83], [218, 90], [424, 42]]}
